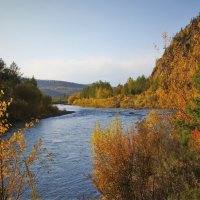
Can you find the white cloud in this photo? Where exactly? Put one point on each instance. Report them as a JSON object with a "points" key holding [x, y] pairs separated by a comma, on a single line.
{"points": [[89, 69]]}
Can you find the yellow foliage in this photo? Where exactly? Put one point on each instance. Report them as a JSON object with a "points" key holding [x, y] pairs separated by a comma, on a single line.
{"points": [[113, 158], [147, 164], [72, 98], [111, 102], [15, 171]]}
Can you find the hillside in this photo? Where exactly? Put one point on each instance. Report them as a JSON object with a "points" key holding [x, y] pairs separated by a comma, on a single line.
{"points": [[59, 88], [171, 82], [170, 85]]}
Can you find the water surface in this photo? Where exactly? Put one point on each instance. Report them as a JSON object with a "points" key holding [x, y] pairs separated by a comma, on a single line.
{"points": [[68, 137]]}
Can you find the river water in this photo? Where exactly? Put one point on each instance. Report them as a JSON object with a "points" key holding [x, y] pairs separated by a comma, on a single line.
{"points": [[68, 138]]}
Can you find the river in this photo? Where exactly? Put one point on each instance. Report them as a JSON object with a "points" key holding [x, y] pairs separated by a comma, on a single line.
{"points": [[68, 138]]}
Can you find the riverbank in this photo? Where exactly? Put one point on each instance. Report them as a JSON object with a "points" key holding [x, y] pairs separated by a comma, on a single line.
{"points": [[60, 113], [130, 102], [120, 101], [60, 102], [53, 111]]}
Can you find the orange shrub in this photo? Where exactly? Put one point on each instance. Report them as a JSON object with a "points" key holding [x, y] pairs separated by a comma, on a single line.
{"points": [[148, 164]]}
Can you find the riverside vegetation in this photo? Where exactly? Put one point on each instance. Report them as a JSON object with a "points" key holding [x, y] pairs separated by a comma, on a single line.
{"points": [[20, 100], [161, 159], [16, 174]]}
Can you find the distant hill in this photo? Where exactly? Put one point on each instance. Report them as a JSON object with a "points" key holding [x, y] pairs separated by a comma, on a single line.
{"points": [[59, 88]]}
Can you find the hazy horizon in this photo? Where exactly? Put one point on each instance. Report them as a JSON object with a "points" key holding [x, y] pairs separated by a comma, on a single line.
{"points": [[86, 41]]}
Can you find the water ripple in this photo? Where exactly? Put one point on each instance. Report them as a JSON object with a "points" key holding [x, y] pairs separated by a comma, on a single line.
{"points": [[68, 137]]}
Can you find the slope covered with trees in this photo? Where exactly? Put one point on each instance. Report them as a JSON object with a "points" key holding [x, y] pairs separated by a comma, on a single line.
{"points": [[171, 82]]}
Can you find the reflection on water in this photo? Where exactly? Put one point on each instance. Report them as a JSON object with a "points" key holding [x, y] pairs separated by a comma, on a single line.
{"points": [[68, 137]]}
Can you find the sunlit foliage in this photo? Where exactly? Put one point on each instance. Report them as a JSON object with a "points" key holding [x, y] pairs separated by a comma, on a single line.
{"points": [[172, 78], [148, 164], [113, 159], [72, 98], [16, 172], [97, 90], [163, 161], [101, 94]]}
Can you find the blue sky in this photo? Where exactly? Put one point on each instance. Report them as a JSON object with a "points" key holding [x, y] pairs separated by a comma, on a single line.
{"points": [[87, 40]]}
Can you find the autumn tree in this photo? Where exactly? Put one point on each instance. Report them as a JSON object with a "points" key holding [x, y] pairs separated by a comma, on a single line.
{"points": [[97, 90], [118, 90], [16, 172]]}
